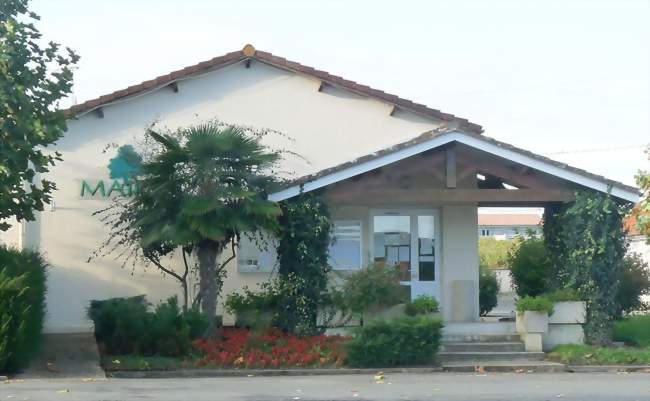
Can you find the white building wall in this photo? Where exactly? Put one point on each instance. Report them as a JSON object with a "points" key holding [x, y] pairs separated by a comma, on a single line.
{"points": [[328, 127]]}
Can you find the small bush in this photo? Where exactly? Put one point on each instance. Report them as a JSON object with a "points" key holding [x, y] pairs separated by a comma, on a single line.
{"points": [[121, 324], [634, 283], [529, 267], [403, 341], [535, 304], [22, 306], [488, 290], [422, 305], [126, 326], [371, 288], [633, 330], [563, 295], [277, 303]]}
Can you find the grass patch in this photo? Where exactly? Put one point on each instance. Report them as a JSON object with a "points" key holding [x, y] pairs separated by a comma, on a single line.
{"points": [[113, 363], [588, 355], [633, 330]]}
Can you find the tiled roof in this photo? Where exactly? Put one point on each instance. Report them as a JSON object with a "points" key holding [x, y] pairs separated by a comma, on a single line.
{"points": [[250, 53], [446, 131]]}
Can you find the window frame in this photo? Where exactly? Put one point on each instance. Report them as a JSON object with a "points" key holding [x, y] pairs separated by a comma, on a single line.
{"points": [[347, 222]]}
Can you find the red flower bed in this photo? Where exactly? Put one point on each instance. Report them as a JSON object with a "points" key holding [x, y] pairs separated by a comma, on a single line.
{"points": [[239, 348]]}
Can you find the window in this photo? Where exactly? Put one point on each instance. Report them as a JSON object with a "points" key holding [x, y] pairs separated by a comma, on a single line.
{"points": [[345, 251], [256, 253], [485, 232]]}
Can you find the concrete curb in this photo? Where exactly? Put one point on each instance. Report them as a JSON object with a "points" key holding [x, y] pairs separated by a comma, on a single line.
{"points": [[608, 368], [507, 368], [197, 373]]}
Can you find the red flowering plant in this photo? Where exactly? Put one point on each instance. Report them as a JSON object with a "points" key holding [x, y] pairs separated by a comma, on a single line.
{"points": [[240, 348]]}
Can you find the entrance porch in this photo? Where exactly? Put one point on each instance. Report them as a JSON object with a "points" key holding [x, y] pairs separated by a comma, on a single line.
{"points": [[415, 205]]}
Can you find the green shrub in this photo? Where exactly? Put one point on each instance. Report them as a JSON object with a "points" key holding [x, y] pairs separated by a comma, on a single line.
{"points": [[126, 326], [22, 306], [563, 295], [280, 302], [372, 288], [535, 304], [488, 286], [422, 305], [121, 324], [403, 341], [493, 253], [633, 330], [529, 267], [634, 283]]}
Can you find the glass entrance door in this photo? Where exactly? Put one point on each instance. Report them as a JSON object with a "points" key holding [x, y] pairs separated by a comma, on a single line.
{"points": [[407, 239]]}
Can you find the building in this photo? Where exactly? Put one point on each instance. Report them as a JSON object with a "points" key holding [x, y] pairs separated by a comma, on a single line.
{"points": [[403, 181], [506, 226]]}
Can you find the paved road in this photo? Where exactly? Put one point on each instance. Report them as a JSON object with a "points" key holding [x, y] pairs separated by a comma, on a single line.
{"points": [[436, 386]]}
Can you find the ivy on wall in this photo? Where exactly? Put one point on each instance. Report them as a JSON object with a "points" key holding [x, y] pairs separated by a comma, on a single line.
{"points": [[587, 244], [304, 240]]}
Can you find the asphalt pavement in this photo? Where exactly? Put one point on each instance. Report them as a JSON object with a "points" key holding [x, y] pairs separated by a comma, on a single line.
{"points": [[432, 386]]}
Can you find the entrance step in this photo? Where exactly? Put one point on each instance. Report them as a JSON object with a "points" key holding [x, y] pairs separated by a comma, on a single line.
{"points": [[480, 338], [458, 357], [493, 346]]}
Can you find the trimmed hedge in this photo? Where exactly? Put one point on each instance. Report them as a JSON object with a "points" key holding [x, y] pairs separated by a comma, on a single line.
{"points": [[22, 306], [402, 341], [126, 326]]}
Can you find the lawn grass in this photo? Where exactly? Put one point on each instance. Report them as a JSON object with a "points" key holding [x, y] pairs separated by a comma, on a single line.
{"points": [[633, 330], [140, 363], [589, 355]]}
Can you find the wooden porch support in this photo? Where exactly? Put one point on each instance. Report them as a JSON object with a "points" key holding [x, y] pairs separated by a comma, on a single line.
{"points": [[450, 164]]}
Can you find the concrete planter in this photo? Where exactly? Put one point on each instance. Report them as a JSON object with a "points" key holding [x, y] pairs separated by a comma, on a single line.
{"points": [[531, 326], [565, 325], [560, 334], [569, 313], [531, 322]]}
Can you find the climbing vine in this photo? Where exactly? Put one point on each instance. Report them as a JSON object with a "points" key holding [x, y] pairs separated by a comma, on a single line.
{"points": [[304, 239], [587, 244]]}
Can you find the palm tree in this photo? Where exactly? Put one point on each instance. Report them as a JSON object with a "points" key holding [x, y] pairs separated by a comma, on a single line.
{"points": [[203, 188]]}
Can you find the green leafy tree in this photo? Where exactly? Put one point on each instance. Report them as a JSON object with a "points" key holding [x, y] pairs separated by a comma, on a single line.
{"points": [[33, 79], [642, 212], [201, 189], [588, 246]]}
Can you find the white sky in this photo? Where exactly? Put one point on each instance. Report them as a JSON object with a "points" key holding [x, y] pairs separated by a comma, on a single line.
{"points": [[548, 76]]}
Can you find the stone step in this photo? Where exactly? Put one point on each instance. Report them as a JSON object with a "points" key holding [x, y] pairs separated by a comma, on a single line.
{"points": [[482, 338], [446, 357], [505, 366], [495, 346]]}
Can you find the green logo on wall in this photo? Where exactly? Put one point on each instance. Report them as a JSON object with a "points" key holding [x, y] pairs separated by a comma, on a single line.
{"points": [[123, 169]]}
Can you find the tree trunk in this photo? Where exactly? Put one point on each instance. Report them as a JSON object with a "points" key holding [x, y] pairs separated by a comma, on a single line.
{"points": [[207, 254], [185, 298]]}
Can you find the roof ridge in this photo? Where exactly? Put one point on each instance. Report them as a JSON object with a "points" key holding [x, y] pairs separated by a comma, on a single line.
{"points": [[249, 52]]}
